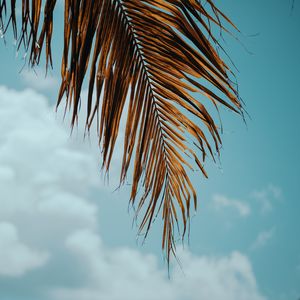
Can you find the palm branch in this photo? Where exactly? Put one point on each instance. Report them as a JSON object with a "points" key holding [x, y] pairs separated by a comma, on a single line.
{"points": [[157, 55]]}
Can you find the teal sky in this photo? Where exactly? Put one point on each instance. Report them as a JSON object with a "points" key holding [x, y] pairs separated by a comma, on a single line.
{"points": [[248, 208]]}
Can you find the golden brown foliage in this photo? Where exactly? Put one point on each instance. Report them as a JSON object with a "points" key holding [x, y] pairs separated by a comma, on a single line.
{"points": [[153, 54]]}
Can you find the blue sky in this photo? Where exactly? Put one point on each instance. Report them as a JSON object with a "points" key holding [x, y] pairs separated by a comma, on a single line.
{"points": [[72, 234]]}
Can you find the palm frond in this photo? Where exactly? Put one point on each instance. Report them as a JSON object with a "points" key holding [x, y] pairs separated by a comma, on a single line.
{"points": [[155, 54]]}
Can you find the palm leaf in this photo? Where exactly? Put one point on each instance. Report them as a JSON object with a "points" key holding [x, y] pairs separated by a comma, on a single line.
{"points": [[155, 54]]}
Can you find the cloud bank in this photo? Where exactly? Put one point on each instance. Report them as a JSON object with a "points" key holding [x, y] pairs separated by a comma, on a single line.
{"points": [[49, 224], [16, 257]]}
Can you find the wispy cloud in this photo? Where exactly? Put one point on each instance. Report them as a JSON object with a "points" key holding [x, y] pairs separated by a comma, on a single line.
{"points": [[266, 197], [263, 238], [221, 201]]}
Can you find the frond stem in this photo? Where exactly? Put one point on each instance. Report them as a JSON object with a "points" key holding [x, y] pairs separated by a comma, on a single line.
{"points": [[145, 71]]}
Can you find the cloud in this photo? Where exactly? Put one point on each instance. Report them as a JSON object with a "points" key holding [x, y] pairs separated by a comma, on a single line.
{"points": [[36, 153], [44, 177], [220, 201], [17, 258], [47, 180], [124, 273], [80, 135], [226, 277], [38, 80], [266, 197], [263, 238]]}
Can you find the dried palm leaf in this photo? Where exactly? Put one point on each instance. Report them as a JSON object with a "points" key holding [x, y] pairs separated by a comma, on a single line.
{"points": [[156, 52]]}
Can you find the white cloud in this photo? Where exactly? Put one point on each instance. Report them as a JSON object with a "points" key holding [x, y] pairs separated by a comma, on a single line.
{"points": [[227, 277], [17, 258], [80, 135], [266, 197], [220, 201], [37, 79], [263, 238], [39, 165], [70, 206], [126, 274], [46, 179]]}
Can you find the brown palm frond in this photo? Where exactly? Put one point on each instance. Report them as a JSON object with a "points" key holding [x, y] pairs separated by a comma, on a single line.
{"points": [[156, 52]]}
